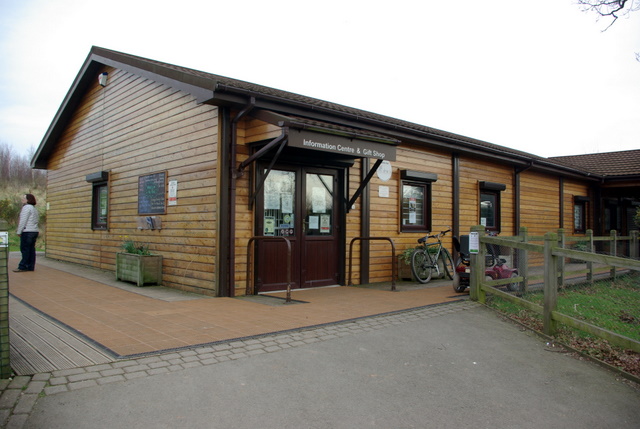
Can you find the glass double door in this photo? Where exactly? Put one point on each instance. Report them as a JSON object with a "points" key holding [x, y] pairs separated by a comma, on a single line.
{"points": [[301, 204]]}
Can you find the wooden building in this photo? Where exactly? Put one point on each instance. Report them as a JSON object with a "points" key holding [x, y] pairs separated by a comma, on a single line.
{"points": [[197, 164]]}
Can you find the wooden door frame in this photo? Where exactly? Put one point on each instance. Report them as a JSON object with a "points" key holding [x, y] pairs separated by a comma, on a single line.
{"points": [[301, 168]]}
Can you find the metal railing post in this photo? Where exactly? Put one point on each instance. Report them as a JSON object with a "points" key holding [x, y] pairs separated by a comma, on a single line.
{"points": [[393, 258]]}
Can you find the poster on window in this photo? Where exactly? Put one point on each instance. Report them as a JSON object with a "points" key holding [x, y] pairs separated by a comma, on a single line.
{"points": [[325, 224], [318, 202], [287, 202], [269, 225], [272, 201], [412, 210], [314, 222]]}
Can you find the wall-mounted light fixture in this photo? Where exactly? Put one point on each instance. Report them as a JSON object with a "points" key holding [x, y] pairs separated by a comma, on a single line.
{"points": [[102, 79]]}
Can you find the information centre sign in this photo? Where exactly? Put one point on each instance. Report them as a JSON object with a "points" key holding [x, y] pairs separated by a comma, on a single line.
{"points": [[337, 144]]}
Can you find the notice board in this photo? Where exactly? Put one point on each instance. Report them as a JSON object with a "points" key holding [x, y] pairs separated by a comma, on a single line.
{"points": [[152, 191]]}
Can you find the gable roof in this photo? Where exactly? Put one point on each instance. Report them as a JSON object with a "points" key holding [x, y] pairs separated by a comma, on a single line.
{"points": [[609, 164], [223, 91]]}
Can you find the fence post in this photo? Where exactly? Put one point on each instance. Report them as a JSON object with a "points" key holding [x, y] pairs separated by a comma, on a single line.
{"points": [[633, 244], [614, 250], [5, 364], [590, 248], [523, 258], [477, 269], [550, 283], [562, 243]]}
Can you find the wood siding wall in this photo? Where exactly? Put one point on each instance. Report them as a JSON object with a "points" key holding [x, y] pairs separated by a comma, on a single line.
{"points": [[133, 127], [539, 202], [249, 131]]}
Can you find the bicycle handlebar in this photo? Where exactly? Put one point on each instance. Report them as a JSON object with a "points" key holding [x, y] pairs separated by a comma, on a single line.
{"points": [[436, 236]]}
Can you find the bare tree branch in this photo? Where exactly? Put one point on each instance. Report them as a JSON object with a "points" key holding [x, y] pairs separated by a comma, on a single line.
{"points": [[610, 8]]}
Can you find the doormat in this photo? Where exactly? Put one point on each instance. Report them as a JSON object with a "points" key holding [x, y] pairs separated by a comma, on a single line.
{"points": [[274, 301]]}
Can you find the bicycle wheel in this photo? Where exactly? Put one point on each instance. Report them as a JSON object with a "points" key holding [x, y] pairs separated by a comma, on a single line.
{"points": [[421, 266], [447, 261]]}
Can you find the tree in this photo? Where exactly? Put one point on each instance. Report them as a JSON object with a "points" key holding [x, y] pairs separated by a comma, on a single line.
{"points": [[610, 8]]}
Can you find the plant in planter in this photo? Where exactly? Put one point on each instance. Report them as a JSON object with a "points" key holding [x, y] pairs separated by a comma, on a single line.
{"points": [[136, 264]]}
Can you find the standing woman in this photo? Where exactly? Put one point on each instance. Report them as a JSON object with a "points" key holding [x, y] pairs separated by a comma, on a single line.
{"points": [[28, 233]]}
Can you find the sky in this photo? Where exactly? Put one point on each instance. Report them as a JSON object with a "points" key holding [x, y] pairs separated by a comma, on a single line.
{"points": [[538, 76]]}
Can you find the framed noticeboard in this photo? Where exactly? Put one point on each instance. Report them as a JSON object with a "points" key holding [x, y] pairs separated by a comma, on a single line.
{"points": [[152, 192]]}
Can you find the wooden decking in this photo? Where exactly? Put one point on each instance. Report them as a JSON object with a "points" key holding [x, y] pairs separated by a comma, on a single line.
{"points": [[40, 344]]}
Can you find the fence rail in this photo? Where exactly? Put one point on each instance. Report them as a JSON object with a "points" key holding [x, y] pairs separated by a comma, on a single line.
{"points": [[551, 264]]}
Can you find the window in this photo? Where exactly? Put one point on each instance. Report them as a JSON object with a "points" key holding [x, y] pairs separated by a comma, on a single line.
{"points": [[490, 205], [489, 210], [415, 203], [580, 214], [416, 199], [100, 206], [99, 199]]}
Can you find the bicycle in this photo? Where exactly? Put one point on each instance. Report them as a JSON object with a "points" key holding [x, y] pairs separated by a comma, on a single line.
{"points": [[425, 260]]}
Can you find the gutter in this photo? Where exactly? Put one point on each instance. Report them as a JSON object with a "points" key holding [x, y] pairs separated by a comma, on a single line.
{"points": [[418, 135]]}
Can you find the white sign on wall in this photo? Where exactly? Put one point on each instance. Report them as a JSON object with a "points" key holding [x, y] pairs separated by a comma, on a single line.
{"points": [[384, 171], [173, 192]]}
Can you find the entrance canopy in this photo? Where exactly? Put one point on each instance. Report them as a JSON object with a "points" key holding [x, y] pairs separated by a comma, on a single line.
{"points": [[326, 137]]}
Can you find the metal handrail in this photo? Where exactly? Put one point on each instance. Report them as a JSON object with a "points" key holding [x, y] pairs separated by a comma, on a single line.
{"points": [[393, 257], [249, 290]]}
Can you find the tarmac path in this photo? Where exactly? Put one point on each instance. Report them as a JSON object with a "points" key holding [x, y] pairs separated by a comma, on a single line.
{"points": [[448, 366]]}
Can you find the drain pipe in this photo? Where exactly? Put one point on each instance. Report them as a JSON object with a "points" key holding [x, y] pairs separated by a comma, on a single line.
{"points": [[233, 175]]}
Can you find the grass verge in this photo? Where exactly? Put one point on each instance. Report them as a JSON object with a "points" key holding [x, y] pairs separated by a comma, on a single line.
{"points": [[612, 305]]}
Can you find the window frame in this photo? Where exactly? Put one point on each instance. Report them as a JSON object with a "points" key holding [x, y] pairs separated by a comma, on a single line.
{"points": [[494, 190], [582, 203], [424, 181], [99, 180], [96, 193]]}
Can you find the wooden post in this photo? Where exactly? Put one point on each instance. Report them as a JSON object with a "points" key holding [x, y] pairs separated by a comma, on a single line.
{"points": [[633, 244], [476, 293], [562, 243], [550, 283], [614, 251], [590, 248], [523, 259], [5, 364]]}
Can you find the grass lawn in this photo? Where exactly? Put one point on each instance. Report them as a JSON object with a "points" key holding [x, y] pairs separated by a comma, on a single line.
{"points": [[612, 305]]}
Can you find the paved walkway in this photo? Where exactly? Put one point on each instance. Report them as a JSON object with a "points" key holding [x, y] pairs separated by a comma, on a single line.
{"points": [[134, 332]]}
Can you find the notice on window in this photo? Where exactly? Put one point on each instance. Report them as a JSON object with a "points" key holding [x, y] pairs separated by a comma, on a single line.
{"points": [[269, 225], [318, 202], [272, 201], [412, 210], [314, 222], [287, 203], [325, 224]]}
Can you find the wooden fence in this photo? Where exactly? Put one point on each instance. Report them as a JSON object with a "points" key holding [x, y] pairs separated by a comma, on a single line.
{"points": [[554, 255]]}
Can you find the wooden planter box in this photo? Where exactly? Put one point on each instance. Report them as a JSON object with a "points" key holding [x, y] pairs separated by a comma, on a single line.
{"points": [[404, 270], [139, 269]]}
